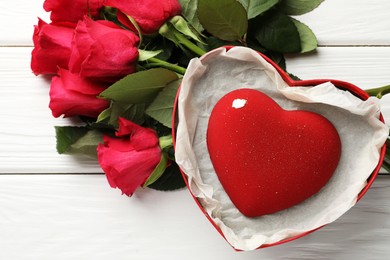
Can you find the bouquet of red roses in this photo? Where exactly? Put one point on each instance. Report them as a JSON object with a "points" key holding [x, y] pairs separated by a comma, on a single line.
{"points": [[117, 65]]}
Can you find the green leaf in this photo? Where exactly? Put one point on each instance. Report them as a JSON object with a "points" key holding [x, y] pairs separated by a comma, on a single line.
{"points": [[298, 7], [277, 32], [224, 19], [255, 45], [170, 180], [157, 43], [158, 171], [189, 11], [169, 31], [87, 144], [77, 140], [182, 26], [308, 39], [257, 7], [157, 126], [294, 77], [161, 108], [278, 58], [166, 31], [141, 87], [68, 135], [132, 112], [144, 55]]}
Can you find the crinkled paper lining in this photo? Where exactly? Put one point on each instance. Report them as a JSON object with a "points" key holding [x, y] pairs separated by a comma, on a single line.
{"points": [[362, 134]]}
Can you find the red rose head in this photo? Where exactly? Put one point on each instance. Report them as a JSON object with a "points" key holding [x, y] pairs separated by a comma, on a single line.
{"points": [[149, 14], [129, 160], [101, 50], [71, 95], [52, 47], [72, 11]]}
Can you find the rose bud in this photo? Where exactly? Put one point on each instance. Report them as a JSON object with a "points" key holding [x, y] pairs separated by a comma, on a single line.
{"points": [[149, 14], [71, 95], [72, 11], [52, 43], [128, 161], [102, 50]]}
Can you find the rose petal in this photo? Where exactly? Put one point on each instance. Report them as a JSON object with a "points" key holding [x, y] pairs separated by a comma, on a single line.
{"points": [[141, 137]]}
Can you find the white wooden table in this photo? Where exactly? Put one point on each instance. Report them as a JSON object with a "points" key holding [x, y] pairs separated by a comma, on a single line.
{"points": [[60, 207]]}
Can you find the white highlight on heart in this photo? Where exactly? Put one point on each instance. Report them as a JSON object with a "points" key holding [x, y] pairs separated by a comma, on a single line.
{"points": [[239, 103]]}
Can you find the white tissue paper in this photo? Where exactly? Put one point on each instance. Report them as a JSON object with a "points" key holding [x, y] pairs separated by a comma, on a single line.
{"points": [[362, 135]]}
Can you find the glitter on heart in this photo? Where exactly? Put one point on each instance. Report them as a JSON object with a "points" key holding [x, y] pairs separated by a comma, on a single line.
{"points": [[268, 159]]}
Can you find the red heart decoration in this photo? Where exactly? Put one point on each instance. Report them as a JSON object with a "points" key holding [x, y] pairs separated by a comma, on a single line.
{"points": [[339, 84], [266, 158]]}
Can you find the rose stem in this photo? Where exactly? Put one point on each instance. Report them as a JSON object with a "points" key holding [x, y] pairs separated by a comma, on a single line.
{"points": [[378, 92], [190, 45], [154, 62]]}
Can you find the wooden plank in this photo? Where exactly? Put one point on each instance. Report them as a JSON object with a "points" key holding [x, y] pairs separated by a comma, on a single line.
{"points": [[350, 22], [335, 22], [27, 130], [365, 67], [27, 133], [17, 20], [80, 217]]}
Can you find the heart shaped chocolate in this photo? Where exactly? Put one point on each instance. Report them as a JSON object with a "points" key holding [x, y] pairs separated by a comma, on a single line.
{"points": [[266, 158]]}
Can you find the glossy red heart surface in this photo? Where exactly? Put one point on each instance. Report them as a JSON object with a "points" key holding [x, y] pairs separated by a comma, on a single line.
{"points": [[266, 158]]}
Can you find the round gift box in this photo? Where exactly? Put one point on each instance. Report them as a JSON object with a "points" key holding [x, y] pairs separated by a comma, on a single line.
{"points": [[356, 91]]}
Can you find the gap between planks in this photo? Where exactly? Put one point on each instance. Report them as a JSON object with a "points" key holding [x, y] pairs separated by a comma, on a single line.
{"points": [[98, 173], [50, 173], [319, 46]]}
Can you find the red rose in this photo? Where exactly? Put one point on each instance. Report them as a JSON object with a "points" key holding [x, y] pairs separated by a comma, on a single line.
{"points": [[52, 45], [72, 10], [102, 50], [71, 95], [128, 161], [149, 14]]}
